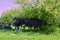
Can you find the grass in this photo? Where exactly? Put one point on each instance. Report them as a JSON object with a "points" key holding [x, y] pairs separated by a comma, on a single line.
{"points": [[29, 35]]}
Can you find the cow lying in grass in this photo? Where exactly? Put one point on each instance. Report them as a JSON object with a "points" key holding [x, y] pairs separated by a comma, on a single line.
{"points": [[30, 22], [6, 27], [1, 24]]}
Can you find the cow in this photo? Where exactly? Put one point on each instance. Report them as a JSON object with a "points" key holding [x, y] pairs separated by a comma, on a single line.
{"points": [[6, 27], [30, 22], [1, 25]]}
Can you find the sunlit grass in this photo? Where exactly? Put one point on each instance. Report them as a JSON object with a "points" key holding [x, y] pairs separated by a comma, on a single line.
{"points": [[28, 35]]}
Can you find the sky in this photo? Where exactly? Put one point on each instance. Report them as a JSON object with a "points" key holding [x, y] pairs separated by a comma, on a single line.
{"points": [[7, 5]]}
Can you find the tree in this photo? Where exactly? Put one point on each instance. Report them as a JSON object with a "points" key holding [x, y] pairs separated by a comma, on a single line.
{"points": [[48, 10]]}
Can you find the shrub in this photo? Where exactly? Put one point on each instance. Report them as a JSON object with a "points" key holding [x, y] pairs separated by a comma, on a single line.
{"points": [[48, 10]]}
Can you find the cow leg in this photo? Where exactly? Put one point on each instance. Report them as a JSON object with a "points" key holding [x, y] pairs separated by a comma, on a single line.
{"points": [[20, 28], [35, 28], [15, 28]]}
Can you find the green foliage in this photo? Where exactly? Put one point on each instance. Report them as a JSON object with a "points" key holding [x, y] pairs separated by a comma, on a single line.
{"points": [[8, 16], [48, 10]]}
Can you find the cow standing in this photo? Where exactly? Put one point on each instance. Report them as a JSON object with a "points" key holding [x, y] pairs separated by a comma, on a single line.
{"points": [[30, 22]]}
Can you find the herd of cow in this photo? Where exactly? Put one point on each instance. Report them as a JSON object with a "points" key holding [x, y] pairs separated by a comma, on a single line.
{"points": [[30, 22]]}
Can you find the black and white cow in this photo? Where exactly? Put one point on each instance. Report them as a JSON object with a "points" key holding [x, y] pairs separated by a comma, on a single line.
{"points": [[30, 22]]}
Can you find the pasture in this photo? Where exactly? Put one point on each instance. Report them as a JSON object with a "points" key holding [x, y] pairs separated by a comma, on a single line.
{"points": [[29, 35], [48, 10]]}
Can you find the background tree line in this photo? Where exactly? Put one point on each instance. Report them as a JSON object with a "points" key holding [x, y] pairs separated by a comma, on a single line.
{"points": [[48, 10]]}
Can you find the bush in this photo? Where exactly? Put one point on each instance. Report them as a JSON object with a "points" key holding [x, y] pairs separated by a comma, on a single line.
{"points": [[48, 10]]}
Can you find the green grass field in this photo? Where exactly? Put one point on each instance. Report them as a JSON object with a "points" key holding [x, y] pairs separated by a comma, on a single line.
{"points": [[48, 10], [29, 35]]}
